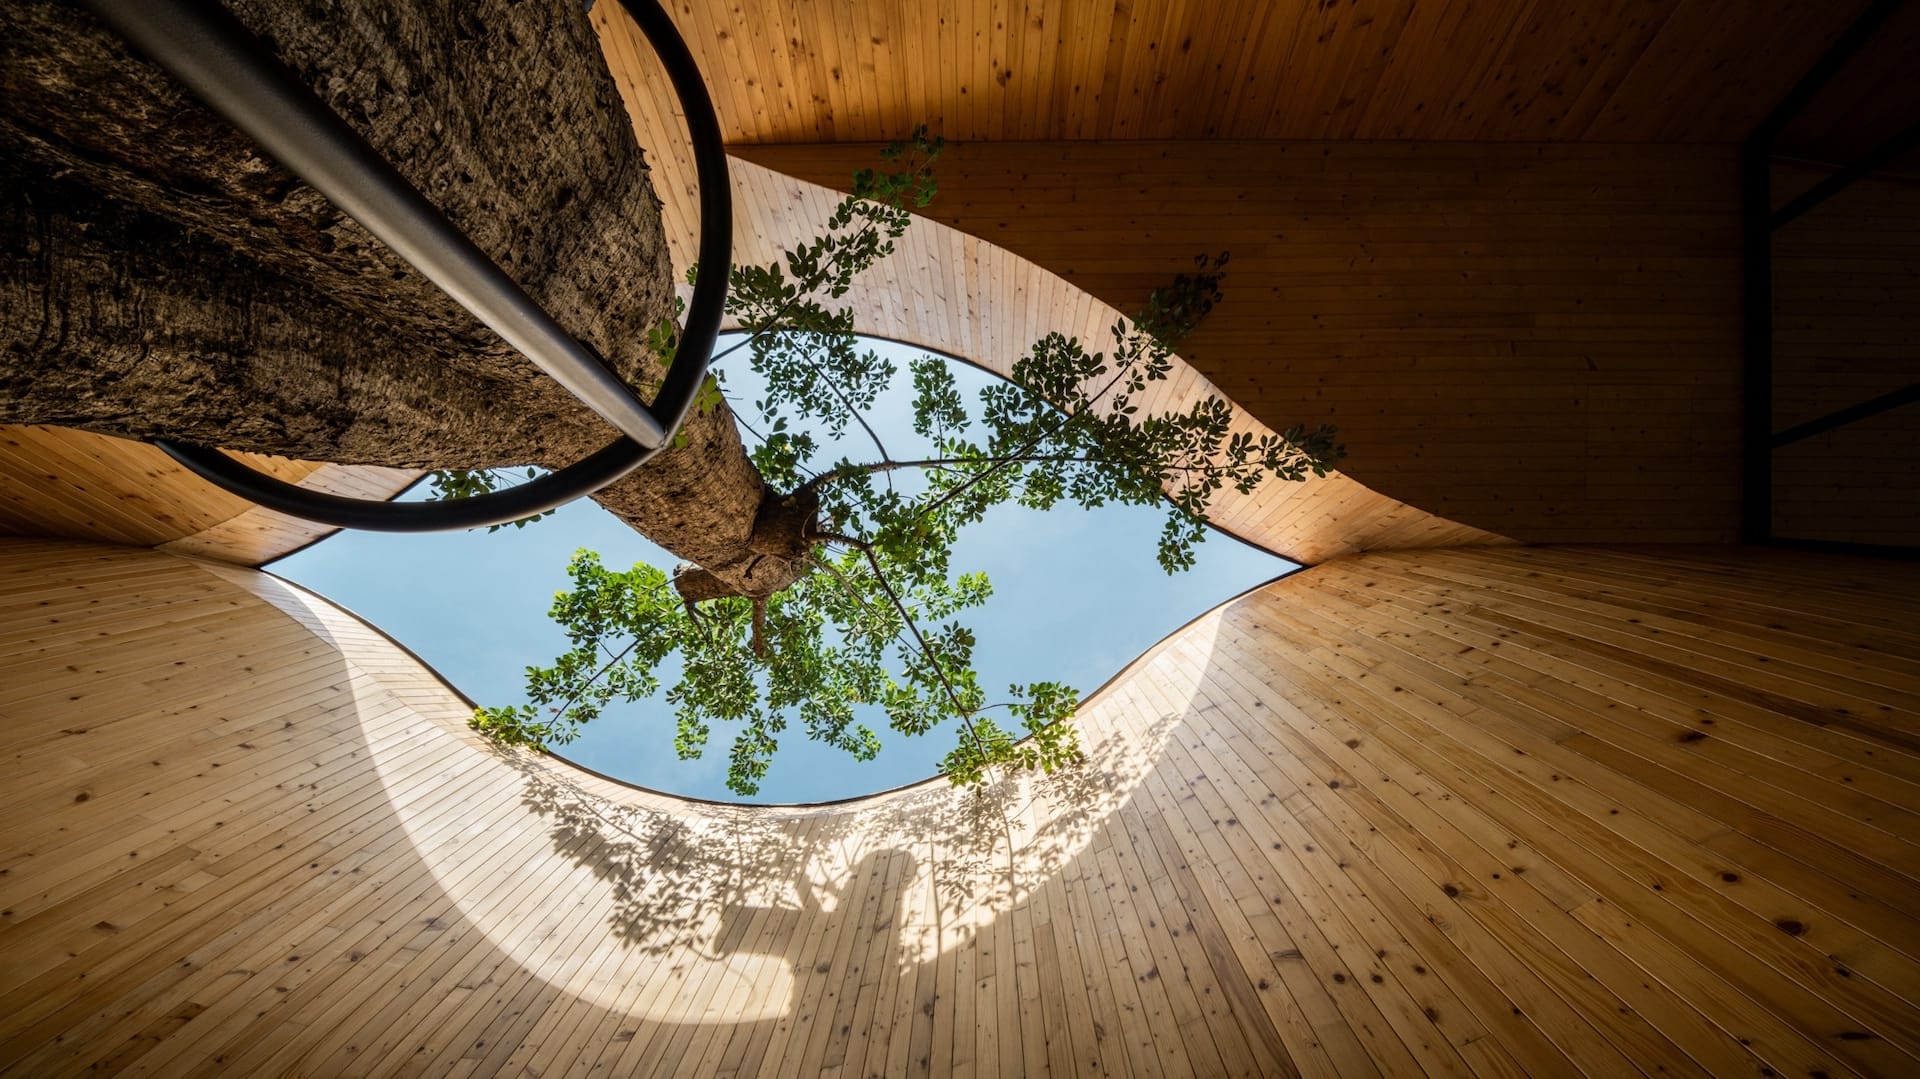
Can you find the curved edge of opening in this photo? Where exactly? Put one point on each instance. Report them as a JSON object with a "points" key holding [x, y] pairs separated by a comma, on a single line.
{"points": [[832, 803], [1016, 300], [1211, 524]]}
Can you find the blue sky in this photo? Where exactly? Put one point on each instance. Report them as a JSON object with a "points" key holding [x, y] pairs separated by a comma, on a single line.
{"points": [[1077, 595]]}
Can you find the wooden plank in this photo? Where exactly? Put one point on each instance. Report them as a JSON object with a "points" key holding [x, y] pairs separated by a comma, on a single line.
{"points": [[64, 482], [1352, 742], [1440, 267]]}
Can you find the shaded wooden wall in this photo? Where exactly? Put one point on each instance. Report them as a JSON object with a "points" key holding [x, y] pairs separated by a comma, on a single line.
{"points": [[1864, 103], [1505, 71], [1582, 293], [1542, 341], [975, 299], [1494, 812], [1846, 329], [63, 482], [972, 298]]}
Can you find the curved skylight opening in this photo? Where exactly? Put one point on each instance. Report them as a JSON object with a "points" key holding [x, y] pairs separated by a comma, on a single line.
{"points": [[1077, 596]]}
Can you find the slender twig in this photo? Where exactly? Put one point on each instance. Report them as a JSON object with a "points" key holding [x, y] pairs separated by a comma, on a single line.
{"points": [[847, 406], [745, 426], [981, 476], [806, 287], [768, 325], [933, 658], [818, 278], [827, 266], [588, 684], [1021, 454], [609, 664], [897, 636], [765, 441], [945, 464], [835, 537]]}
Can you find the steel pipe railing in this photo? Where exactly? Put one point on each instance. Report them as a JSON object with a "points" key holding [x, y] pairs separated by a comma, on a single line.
{"points": [[222, 62]]}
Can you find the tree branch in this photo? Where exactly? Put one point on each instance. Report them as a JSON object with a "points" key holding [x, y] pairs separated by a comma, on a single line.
{"points": [[561, 711], [768, 326], [846, 406], [1071, 418], [609, 664], [834, 475], [926, 649]]}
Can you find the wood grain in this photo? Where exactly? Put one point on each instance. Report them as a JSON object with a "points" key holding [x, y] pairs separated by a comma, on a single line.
{"points": [[1540, 341], [1487, 70], [1846, 315], [1529, 340], [1495, 811], [63, 482]]}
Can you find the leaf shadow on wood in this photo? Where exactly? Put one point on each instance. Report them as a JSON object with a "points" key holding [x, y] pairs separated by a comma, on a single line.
{"points": [[714, 879]]}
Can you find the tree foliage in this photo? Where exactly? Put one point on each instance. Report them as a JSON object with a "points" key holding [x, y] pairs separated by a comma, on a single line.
{"points": [[878, 620], [468, 482]]}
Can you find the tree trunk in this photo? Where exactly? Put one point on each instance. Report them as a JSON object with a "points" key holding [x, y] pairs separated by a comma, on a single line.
{"points": [[159, 278]]}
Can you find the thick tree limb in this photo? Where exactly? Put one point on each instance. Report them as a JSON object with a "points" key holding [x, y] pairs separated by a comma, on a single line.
{"points": [[159, 279]]}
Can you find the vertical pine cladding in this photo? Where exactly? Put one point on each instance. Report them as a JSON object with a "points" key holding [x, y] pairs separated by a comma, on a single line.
{"points": [[1492, 811], [1540, 340]]}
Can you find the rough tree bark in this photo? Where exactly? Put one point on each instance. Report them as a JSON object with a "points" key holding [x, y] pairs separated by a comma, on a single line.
{"points": [[159, 278]]}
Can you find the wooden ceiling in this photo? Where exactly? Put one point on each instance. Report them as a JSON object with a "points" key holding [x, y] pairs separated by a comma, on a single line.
{"points": [[1846, 314], [61, 482], [1507, 70], [1539, 341], [809, 71], [1542, 341], [955, 293], [1494, 812], [1874, 95]]}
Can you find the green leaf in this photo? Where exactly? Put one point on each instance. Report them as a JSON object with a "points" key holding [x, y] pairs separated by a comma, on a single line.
{"points": [[879, 624]]}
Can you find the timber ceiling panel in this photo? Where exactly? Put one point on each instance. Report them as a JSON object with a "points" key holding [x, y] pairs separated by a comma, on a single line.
{"points": [[809, 71], [63, 482], [1846, 319], [1537, 340], [955, 293], [964, 296], [1873, 96], [1526, 70], [1491, 812]]}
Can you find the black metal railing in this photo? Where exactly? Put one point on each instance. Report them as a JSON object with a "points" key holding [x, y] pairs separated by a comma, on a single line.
{"points": [[1763, 222], [221, 61]]}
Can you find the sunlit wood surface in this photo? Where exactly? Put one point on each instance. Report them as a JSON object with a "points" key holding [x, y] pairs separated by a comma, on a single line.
{"points": [[1540, 340], [1499, 72], [1504, 811], [966, 296], [1866, 101]]}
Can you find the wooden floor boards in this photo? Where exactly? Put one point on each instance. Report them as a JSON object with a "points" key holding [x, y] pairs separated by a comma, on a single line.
{"points": [[1492, 811]]}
